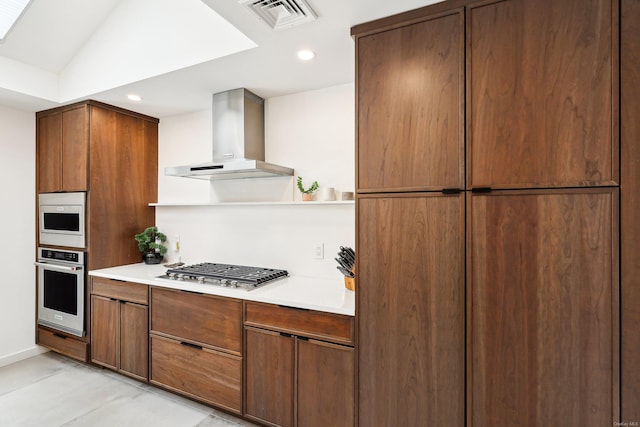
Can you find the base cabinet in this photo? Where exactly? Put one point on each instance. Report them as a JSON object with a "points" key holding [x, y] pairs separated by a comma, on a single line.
{"points": [[196, 346], [269, 395], [293, 379], [198, 372], [325, 386], [120, 327]]}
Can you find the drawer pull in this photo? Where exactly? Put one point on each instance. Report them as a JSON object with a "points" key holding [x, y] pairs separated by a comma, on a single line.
{"points": [[55, 334], [284, 334], [188, 344]]}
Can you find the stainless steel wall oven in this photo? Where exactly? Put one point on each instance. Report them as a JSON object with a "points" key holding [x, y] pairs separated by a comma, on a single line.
{"points": [[61, 290]]}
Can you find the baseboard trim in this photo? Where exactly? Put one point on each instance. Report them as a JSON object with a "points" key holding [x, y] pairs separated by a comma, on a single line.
{"points": [[21, 355]]}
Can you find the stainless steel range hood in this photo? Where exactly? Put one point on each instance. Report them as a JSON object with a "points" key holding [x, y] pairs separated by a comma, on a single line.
{"points": [[238, 141]]}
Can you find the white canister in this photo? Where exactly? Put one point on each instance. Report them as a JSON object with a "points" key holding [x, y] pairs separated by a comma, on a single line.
{"points": [[327, 194]]}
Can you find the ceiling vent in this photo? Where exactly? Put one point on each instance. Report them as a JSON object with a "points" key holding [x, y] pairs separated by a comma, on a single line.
{"points": [[279, 14]]}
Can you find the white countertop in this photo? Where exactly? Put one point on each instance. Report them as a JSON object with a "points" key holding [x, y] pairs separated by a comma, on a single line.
{"points": [[294, 291]]}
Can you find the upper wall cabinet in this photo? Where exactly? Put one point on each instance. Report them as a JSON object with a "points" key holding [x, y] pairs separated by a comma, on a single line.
{"points": [[410, 84], [542, 93], [63, 150]]}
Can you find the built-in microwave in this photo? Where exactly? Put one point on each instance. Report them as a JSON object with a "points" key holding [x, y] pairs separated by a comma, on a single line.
{"points": [[61, 290], [62, 219]]}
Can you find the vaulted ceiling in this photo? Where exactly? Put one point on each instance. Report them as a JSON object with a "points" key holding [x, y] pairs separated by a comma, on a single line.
{"points": [[174, 53]]}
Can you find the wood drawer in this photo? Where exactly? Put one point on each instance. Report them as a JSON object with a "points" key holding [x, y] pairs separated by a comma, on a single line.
{"points": [[65, 345], [125, 291], [313, 324], [201, 319], [208, 375]]}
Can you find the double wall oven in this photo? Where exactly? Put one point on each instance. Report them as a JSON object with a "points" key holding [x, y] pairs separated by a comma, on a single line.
{"points": [[61, 261]]}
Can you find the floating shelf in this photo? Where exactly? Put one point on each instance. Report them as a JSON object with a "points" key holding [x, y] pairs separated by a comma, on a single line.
{"points": [[216, 204]]}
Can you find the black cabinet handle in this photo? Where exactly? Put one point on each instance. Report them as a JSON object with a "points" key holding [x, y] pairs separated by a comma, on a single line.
{"points": [[188, 344], [293, 308], [55, 334]]}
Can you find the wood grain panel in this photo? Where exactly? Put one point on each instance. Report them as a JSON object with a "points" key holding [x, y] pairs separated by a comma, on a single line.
{"points": [[201, 319], [210, 376], [543, 308], [134, 340], [269, 387], [126, 291], [60, 343], [410, 305], [630, 206], [410, 88], [541, 89], [49, 152], [325, 385], [124, 156], [314, 324], [105, 331], [75, 149]]}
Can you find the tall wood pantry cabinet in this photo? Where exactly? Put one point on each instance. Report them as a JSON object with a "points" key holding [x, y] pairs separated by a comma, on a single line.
{"points": [[490, 198], [111, 154]]}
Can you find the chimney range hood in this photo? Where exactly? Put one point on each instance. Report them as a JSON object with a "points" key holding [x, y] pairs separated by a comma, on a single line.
{"points": [[238, 141]]}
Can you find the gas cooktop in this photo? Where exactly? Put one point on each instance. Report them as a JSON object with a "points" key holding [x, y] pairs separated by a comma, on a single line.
{"points": [[225, 275]]}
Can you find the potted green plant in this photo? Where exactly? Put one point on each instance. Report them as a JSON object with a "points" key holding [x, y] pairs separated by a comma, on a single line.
{"points": [[307, 195], [150, 244]]}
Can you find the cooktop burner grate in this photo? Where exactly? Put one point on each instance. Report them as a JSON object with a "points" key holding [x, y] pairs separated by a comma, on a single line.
{"points": [[226, 274]]}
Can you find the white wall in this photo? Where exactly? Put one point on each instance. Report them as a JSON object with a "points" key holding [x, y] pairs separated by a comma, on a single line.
{"points": [[17, 286], [312, 132]]}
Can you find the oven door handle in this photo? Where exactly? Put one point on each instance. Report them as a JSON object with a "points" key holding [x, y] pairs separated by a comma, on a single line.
{"points": [[57, 266]]}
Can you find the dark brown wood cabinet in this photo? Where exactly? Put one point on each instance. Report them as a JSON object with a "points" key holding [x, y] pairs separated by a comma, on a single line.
{"points": [[410, 106], [410, 302], [543, 312], [325, 388], [547, 250], [63, 150], [542, 97], [269, 395], [120, 327], [111, 154], [630, 206], [292, 380], [196, 346]]}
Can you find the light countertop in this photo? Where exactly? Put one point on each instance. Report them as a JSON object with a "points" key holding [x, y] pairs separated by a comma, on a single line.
{"points": [[294, 291]]}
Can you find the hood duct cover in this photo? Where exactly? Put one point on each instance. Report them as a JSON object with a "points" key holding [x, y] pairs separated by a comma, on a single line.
{"points": [[238, 141], [279, 14]]}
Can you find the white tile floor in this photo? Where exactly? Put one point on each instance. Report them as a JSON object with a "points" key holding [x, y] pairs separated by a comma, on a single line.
{"points": [[50, 390]]}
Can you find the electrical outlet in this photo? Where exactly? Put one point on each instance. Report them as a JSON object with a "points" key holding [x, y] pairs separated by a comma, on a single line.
{"points": [[318, 251]]}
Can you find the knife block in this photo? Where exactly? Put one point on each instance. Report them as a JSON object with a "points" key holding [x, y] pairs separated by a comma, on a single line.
{"points": [[350, 282]]}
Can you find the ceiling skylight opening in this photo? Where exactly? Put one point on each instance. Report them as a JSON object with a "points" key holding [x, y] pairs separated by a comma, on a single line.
{"points": [[10, 12], [134, 97]]}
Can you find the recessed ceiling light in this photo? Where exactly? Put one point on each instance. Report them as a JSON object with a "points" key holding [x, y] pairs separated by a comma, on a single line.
{"points": [[306, 55], [10, 12], [134, 97]]}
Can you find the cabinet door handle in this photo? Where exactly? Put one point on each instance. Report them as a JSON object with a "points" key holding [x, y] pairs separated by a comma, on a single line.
{"points": [[55, 334], [188, 344]]}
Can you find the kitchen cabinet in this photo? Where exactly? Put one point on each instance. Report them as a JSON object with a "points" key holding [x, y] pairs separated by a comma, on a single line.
{"points": [[120, 327], [410, 83], [111, 154], [410, 300], [196, 346], [63, 150], [543, 310], [532, 279], [630, 206], [293, 379], [542, 93]]}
